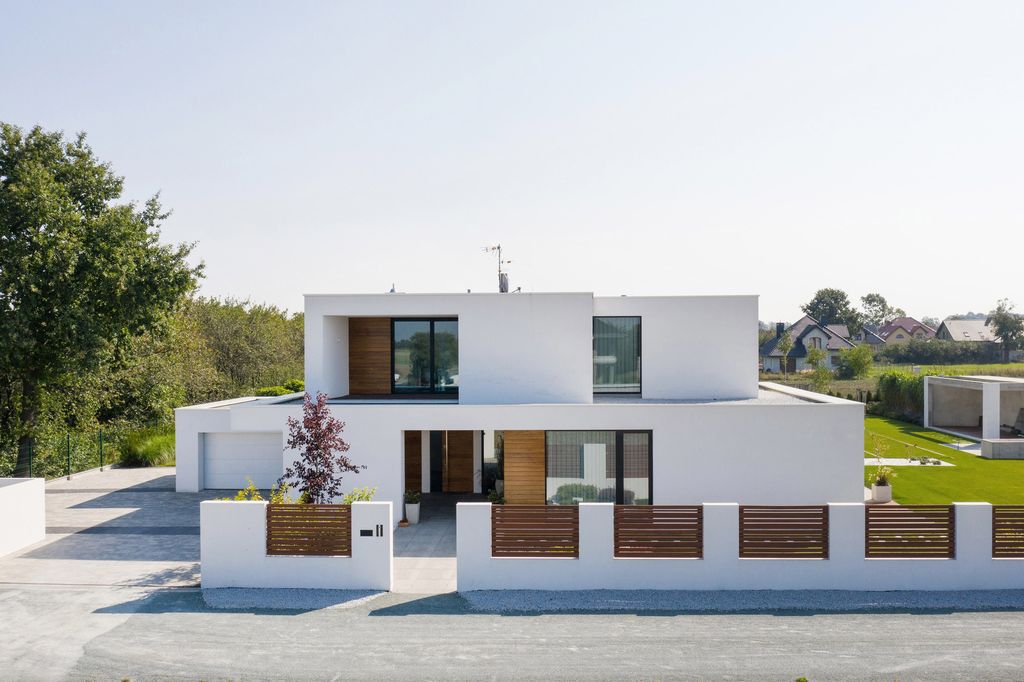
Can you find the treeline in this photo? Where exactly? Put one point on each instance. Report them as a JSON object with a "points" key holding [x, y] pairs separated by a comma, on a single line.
{"points": [[208, 349]]}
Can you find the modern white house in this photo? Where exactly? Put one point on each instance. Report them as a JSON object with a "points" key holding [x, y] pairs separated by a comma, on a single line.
{"points": [[552, 398]]}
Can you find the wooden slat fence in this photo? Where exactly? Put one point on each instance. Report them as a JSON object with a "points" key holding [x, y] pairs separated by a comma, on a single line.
{"points": [[1008, 531], [784, 532], [918, 531], [309, 529], [659, 531], [526, 530]]}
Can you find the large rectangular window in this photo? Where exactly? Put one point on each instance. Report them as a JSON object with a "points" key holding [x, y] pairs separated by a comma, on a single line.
{"points": [[616, 355], [425, 356], [598, 466]]}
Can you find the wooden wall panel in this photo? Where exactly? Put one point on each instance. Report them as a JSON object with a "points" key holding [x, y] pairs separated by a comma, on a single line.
{"points": [[369, 355], [524, 467], [413, 460], [458, 473]]}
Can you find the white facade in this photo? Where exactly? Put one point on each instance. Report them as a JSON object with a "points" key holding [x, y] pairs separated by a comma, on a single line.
{"points": [[23, 510], [721, 568], [526, 363]]}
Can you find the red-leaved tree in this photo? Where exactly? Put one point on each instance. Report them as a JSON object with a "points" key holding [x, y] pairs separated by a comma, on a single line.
{"points": [[322, 462]]}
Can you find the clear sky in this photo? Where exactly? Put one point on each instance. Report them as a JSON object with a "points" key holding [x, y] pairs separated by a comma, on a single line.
{"points": [[622, 148]]}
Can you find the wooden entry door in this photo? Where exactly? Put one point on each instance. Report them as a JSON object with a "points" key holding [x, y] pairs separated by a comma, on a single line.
{"points": [[457, 463]]}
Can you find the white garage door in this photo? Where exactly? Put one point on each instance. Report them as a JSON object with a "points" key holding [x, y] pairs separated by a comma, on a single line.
{"points": [[230, 458]]}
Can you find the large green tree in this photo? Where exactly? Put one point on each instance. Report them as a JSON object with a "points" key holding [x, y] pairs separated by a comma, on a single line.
{"points": [[876, 311], [832, 306], [1007, 326], [82, 274]]}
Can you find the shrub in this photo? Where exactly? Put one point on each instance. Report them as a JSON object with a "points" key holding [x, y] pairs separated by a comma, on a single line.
{"points": [[359, 495], [901, 395], [571, 493], [295, 386], [147, 448], [494, 497], [249, 493], [412, 496], [322, 460], [855, 363], [269, 391]]}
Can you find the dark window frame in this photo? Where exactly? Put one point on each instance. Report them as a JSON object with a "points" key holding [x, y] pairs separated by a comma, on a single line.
{"points": [[433, 367], [620, 461], [639, 348]]}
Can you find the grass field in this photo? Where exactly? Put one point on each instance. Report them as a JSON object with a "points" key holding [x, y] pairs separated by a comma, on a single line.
{"points": [[972, 479]]}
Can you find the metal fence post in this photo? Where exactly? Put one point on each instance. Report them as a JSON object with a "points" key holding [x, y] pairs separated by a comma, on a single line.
{"points": [[101, 449], [67, 441]]}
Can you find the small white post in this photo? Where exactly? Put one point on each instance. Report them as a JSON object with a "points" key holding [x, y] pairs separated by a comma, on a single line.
{"points": [[990, 410]]}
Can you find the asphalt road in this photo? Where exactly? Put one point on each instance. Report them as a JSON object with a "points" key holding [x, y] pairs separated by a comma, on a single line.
{"points": [[171, 633]]}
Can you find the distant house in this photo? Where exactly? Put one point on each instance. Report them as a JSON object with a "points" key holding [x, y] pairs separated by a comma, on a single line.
{"points": [[805, 333], [965, 330], [869, 337], [903, 329]]}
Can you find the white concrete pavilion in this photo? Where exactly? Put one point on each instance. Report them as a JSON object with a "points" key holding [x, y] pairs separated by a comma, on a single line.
{"points": [[982, 408]]}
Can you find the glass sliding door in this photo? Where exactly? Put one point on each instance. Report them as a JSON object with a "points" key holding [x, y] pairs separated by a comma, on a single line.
{"points": [[425, 356], [446, 355], [411, 355], [616, 355], [598, 466]]}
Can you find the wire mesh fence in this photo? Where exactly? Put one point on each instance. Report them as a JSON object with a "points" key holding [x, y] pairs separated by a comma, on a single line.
{"points": [[63, 455]]}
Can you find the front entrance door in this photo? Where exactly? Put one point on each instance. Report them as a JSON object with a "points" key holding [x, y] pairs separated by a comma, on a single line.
{"points": [[451, 461]]}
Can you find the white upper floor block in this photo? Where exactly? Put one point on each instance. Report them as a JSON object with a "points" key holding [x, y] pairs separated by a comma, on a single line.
{"points": [[529, 348]]}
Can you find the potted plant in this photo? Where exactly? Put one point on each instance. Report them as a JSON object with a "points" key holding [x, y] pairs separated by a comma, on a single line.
{"points": [[881, 487], [412, 506]]}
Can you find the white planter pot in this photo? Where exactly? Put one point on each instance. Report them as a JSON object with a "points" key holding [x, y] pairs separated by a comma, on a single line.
{"points": [[412, 512], [881, 493]]}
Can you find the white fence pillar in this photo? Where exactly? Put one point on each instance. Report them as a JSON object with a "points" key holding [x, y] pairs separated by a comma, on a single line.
{"points": [[472, 544], [721, 540], [990, 408], [597, 531], [973, 533]]}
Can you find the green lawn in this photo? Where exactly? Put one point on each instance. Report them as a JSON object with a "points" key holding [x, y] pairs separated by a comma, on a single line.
{"points": [[972, 479]]}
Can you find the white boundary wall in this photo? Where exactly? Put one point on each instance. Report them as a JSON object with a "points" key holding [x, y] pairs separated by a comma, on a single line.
{"points": [[233, 551], [722, 569], [23, 510]]}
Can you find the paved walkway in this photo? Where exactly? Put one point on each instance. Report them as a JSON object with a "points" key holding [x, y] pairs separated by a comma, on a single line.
{"points": [[425, 552], [115, 527]]}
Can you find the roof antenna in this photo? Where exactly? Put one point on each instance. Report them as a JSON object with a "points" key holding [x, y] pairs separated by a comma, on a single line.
{"points": [[392, 288], [502, 276]]}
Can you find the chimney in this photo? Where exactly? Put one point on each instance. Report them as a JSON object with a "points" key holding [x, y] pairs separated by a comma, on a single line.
{"points": [[780, 327]]}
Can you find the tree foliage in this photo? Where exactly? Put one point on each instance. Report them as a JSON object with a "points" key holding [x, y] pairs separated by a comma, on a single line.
{"points": [[82, 276], [832, 306], [318, 471], [785, 345], [855, 363], [876, 311], [1006, 325]]}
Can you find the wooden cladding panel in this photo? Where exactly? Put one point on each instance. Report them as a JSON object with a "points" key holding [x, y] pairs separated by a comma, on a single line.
{"points": [[1008, 532], [917, 531], [458, 462], [526, 530], [524, 467], [309, 529], [784, 532], [369, 355], [413, 460], [659, 532]]}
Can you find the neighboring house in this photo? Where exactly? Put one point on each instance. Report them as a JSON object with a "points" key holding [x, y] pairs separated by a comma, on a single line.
{"points": [[903, 329], [805, 333], [869, 337], [555, 398], [965, 330]]}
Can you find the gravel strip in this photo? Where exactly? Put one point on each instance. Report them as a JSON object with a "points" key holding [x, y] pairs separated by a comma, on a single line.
{"points": [[285, 599], [740, 601]]}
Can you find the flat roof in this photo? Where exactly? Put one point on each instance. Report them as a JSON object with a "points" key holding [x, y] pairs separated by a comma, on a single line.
{"points": [[977, 381]]}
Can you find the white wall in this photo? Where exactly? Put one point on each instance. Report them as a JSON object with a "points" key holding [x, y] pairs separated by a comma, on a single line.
{"points": [[233, 551], [513, 348], [753, 452], [23, 510], [693, 346], [722, 569]]}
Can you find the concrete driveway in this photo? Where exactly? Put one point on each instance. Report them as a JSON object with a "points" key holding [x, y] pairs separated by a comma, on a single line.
{"points": [[116, 527]]}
